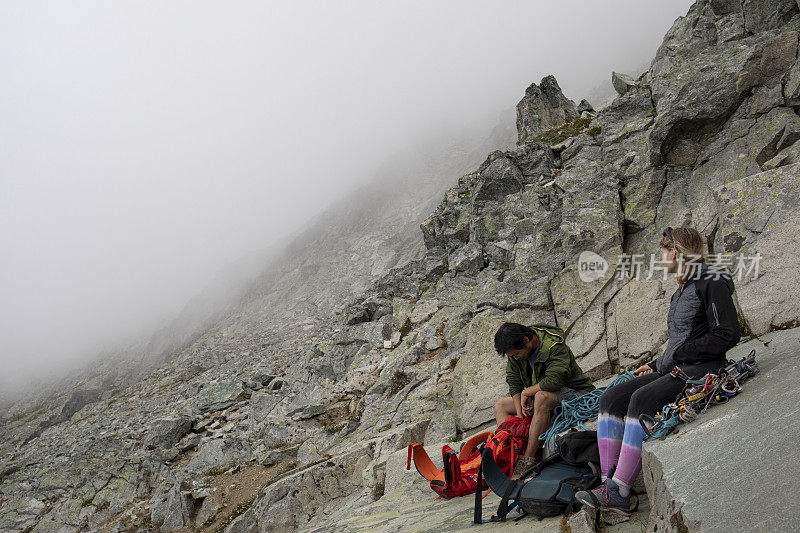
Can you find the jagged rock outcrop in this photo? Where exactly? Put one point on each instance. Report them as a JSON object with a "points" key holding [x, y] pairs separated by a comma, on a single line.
{"points": [[707, 137], [543, 107]]}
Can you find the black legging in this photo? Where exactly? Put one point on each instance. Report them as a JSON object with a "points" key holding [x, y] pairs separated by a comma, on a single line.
{"points": [[619, 433], [649, 393]]}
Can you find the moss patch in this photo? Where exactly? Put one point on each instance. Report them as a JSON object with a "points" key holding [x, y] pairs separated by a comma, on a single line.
{"points": [[564, 131], [336, 417], [405, 329], [399, 381]]}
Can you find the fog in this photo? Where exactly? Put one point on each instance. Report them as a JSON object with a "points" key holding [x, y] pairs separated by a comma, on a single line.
{"points": [[146, 145]]}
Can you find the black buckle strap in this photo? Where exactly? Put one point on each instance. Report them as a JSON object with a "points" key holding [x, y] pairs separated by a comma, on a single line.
{"points": [[477, 515]]}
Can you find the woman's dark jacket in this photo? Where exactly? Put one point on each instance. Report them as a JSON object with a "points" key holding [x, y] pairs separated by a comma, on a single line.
{"points": [[702, 322]]}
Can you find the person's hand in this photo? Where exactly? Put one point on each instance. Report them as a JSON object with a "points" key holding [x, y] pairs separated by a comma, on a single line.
{"points": [[527, 403], [642, 370]]}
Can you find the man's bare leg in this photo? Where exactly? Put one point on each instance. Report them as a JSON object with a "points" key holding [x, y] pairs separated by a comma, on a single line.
{"points": [[543, 404], [503, 409]]}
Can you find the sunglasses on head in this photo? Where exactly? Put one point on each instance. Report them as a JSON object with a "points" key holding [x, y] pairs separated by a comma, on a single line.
{"points": [[668, 233]]}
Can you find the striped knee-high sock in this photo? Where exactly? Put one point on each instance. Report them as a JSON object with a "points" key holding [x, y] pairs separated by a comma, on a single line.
{"points": [[630, 456], [610, 430]]}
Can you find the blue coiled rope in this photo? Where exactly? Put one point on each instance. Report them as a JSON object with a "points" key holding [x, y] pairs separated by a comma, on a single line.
{"points": [[576, 411]]}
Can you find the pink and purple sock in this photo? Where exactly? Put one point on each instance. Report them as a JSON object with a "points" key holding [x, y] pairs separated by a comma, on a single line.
{"points": [[630, 455], [610, 431]]}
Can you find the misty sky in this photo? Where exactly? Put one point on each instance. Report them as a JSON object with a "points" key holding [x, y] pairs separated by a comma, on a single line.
{"points": [[144, 145]]}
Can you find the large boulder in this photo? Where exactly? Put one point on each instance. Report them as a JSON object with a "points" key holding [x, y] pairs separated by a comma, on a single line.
{"points": [[218, 395], [468, 259], [636, 321], [170, 509], [745, 144], [77, 401], [217, 455], [590, 217], [759, 215], [695, 90], [622, 82], [498, 179], [625, 125], [167, 432], [337, 487]]}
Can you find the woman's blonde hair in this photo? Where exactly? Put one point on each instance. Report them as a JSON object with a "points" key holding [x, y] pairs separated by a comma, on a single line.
{"points": [[688, 245]]}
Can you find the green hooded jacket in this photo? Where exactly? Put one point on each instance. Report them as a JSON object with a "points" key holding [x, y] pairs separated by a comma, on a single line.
{"points": [[554, 368]]}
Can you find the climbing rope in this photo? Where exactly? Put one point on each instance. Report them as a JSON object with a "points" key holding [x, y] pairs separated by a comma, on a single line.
{"points": [[576, 411]]}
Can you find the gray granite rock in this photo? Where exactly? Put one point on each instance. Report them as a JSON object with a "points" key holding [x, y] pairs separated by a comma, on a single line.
{"points": [[77, 401], [307, 411], [479, 376], [585, 106], [468, 258], [167, 432], [544, 106], [170, 509], [219, 395], [219, 454], [758, 215], [275, 456], [391, 327], [622, 82]]}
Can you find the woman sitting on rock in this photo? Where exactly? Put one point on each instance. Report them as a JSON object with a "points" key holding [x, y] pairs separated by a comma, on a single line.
{"points": [[703, 325]]}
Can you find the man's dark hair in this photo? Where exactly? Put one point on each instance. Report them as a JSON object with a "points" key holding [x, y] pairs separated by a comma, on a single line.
{"points": [[511, 336]]}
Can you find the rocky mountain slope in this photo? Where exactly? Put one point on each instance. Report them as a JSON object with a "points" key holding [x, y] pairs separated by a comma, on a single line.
{"points": [[301, 423], [232, 328]]}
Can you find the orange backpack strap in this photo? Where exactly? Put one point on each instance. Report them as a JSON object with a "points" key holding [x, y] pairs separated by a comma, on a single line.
{"points": [[422, 462], [472, 444]]}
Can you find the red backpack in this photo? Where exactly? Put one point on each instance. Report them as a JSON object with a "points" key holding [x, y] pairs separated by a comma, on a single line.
{"points": [[459, 476]]}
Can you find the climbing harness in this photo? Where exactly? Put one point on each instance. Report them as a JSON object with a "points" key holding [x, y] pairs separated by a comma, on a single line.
{"points": [[698, 395], [575, 411]]}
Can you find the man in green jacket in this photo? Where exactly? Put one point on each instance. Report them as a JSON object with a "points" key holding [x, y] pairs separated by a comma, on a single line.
{"points": [[541, 371]]}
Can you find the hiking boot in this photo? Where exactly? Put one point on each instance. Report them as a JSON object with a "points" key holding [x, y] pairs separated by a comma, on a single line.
{"points": [[607, 498], [522, 465]]}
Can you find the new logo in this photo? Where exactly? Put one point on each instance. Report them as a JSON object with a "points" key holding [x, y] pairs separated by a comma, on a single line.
{"points": [[591, 266]]}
